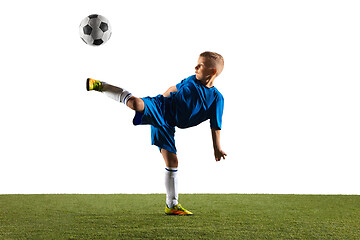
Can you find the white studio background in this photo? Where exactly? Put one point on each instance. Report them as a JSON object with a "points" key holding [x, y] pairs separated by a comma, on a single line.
{"points": [[291, 85]]}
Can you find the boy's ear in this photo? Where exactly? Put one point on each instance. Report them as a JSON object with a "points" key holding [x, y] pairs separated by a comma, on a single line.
{"points": [[214, 71]]}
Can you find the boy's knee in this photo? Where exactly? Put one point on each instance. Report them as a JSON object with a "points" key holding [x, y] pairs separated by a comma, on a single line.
{"points": [[170, 158], [136, 104]]}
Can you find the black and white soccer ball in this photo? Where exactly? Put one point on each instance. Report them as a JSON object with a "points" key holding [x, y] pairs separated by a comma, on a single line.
{"points": [[95, 30]]}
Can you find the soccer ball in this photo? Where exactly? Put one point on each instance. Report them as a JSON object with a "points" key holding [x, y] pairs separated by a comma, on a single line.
{"points": [[95, 30]]}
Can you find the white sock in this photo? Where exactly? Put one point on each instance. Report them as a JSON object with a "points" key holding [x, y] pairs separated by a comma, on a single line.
{"points": [[116, 93], [171, 187]]}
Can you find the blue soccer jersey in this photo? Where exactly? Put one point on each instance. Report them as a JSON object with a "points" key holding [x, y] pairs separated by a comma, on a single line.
{"points": [[194, 103]]}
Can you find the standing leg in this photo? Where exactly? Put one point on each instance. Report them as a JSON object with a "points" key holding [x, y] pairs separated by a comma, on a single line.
{"points": [[172, 205], [171, 162], [170, 158]]}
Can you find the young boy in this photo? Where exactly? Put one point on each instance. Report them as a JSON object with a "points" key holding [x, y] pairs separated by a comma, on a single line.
{"points": [[184, 105]]}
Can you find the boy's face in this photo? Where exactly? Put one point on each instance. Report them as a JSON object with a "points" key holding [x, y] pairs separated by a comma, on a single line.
{"points": [[203, 69]]}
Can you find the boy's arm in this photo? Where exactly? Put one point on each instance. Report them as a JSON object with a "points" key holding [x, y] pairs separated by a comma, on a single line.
{"points": [[170, 90], [218, 152]]}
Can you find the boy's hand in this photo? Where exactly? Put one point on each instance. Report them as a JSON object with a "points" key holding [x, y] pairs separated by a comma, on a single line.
{"points": [[216, 142], [219, 154]]}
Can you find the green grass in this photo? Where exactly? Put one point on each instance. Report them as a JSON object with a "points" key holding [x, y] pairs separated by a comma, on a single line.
{"points": [[223, 216]]}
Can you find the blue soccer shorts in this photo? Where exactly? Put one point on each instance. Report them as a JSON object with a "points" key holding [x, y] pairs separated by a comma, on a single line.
{"points": [[162, 134]]}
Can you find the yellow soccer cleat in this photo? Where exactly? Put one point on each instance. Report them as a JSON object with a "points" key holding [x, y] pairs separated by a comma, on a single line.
{"points": [[92, 84], [177, 210]]}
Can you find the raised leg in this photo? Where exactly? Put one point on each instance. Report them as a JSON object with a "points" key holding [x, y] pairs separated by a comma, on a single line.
{"points": [[136, 104]]}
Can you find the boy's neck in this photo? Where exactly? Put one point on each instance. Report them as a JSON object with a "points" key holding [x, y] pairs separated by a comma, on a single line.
{"points": [[209, 83]]}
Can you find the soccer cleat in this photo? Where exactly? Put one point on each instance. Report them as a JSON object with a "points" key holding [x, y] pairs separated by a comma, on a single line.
{"points": [[92, 84], [176, 210]]}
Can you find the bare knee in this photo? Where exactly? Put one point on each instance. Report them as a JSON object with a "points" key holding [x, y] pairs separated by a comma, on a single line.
{"points": [[170, 158], [136, 104]]}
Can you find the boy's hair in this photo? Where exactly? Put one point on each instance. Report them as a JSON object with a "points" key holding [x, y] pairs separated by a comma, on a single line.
{"points": [[216, 58]]}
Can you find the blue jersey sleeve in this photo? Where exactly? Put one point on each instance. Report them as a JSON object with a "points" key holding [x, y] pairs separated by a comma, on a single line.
{"points": [[216, 118], [181, 84]]}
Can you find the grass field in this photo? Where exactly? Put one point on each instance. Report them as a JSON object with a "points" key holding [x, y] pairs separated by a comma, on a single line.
{"points": [[223, 216]]}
